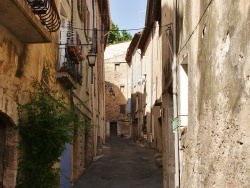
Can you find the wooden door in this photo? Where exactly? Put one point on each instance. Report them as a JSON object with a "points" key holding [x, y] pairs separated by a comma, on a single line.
{"points": [[113, 129], [65, 168], [2, 148]]}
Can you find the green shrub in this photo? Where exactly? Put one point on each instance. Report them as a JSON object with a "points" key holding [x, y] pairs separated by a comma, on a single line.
{"points": [[46, 124]]}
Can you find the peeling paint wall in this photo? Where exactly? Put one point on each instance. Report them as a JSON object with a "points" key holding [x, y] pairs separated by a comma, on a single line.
{"points": [[215, 35], [19, 65]]}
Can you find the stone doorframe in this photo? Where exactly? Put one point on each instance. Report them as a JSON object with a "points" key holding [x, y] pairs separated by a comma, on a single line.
{"points": [[8, 152]]}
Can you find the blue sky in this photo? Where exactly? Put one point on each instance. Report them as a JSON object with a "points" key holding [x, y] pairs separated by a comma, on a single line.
{"points": [[128, 14]]}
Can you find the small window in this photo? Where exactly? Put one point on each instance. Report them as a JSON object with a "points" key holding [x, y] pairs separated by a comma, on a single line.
{"points": [[117, 67], [122, 108], [122, 88], [63, 23], [87, 77], [136, 103], [87, 21]]}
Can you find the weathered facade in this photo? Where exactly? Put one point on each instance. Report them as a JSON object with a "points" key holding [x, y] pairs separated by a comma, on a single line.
{"points": [[118, 91], [208, 55], [168, 136], [203, 100], [144, 55], [213, 44], [40, 43], [21, 59]]}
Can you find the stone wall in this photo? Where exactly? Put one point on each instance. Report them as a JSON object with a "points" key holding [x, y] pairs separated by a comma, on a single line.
{"points": [[168, 151], [117, 78], [19, 65], [215, 36]]}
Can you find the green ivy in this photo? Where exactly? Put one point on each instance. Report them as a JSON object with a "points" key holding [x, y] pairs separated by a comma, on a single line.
{"points": [[46, 124]]}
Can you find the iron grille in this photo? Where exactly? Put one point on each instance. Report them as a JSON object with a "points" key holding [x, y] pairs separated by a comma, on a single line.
{"points": [[47, 12]]}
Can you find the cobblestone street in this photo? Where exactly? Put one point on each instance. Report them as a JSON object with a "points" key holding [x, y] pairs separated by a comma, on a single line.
{"points": [[125, 164]]}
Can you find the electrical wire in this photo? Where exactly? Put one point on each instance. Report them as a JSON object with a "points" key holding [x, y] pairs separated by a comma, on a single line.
{"points": [[133, 29]]}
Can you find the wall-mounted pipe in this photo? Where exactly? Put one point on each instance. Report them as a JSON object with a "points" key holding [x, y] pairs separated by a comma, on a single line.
{"points": [[175, 105]]}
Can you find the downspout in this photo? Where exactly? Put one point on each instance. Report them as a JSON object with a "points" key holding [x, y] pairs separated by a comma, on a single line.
{"points": [[174, 73], [132, 98], [93, 28], [93, 47], [94, 43], [152, 88]]}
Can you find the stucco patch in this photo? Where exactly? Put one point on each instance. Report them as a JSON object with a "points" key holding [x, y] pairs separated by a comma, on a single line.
{"points": [[222, 51]]}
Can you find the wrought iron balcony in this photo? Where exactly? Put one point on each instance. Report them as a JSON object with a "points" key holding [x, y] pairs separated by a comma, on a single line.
{"points": [[69, 74], [73, 69], [47, 12], [17, 17], [71, 58]]}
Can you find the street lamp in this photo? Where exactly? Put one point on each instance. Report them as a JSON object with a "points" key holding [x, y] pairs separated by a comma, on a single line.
{"points": [[91, 57]]}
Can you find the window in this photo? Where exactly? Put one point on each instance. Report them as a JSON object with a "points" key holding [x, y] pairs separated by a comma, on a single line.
{"points": [[122, 109], [81, 4], [122, 89], [183, 92], [136, 103], [87, 22], [117, 66], [87, 78], [94, 84]]}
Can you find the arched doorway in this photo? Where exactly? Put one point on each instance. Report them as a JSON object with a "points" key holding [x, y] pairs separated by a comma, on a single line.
{"points": [[8, 151]]}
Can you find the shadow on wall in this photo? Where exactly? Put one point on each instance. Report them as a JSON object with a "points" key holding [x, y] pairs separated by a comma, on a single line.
{"points": [[116, 107]]}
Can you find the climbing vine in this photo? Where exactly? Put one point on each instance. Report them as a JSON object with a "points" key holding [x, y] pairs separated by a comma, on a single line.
{"points": [[46, 124]]}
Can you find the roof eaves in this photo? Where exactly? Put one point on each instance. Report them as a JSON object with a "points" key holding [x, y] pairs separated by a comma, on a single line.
{"points": [[132, 47]]}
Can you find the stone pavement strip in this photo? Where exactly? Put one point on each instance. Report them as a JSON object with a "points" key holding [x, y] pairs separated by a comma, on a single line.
{"points": [[124, 164]]}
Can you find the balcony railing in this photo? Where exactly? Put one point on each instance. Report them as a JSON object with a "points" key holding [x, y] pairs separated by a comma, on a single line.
{"points": [[47, 12], [73, 69]]}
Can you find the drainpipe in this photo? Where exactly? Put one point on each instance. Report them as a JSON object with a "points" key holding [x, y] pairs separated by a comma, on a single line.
{"points": [[92, 78], [152, 88], [174, 73], [93, 46]]}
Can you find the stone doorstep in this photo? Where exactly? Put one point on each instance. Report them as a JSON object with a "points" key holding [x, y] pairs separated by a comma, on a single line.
{"points": [[97, 157], [158, 158], [159, 162], [99, 151], [157, 155]]}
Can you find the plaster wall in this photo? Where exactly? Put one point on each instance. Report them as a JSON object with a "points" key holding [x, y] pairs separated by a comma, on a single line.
{"points": [[117, 77], [19, 65], [167, 98], [215, 35], [157, 87]]}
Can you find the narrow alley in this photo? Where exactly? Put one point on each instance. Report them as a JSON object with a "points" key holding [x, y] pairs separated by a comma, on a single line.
{"points": [[124, 164]]}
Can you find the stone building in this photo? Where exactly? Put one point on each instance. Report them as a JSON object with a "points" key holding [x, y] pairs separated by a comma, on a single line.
{"points": [[41, 42], [204, 98], [118, 90], [144, 55], [212, 61], [207, 93]]}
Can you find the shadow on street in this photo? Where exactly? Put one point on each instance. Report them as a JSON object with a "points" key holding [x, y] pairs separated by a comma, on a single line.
{"points": [[124, 164]]}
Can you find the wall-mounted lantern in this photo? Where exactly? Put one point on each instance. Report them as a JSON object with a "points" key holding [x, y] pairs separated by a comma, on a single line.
{"points": [[91, 57]]}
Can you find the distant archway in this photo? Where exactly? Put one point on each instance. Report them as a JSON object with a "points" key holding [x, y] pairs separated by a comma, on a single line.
{"points": [[8, 151]]}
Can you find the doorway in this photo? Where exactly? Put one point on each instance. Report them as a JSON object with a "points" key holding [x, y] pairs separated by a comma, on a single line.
{"points": [[113, 129], [2, 149], [8, 151]]}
